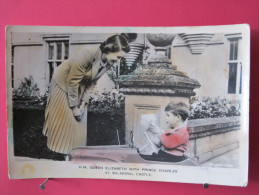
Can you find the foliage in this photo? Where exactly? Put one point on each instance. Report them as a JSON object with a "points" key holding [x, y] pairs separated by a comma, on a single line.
{"points": [[106, 101], [208, 107], [27, 89], [28, 94], [200, 107]]}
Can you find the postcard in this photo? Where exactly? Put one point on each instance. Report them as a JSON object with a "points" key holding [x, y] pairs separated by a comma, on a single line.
{"points": [[133, 103]]}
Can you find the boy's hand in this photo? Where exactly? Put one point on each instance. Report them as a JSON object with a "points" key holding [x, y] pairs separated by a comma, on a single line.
{"points": [[153, 128]]}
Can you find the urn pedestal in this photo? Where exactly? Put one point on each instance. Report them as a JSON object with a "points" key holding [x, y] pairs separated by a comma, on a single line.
{"points": [[150, 88]]}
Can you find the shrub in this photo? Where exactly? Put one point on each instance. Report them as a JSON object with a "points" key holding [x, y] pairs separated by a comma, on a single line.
{"points": [[27, 89], [208, 107], [28, 94], [106, 118], [106, 101]]}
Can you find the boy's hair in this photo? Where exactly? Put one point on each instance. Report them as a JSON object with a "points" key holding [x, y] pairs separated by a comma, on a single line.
{"points": [[178, 109]]}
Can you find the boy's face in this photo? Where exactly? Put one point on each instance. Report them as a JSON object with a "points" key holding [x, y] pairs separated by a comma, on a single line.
{"points": [[172, 120]]}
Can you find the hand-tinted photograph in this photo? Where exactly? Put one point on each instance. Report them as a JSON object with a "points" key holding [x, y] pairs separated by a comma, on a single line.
{"points": [[127, 96]]}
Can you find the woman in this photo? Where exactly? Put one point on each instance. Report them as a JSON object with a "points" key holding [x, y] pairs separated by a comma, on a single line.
{"points": [[65, 115]]}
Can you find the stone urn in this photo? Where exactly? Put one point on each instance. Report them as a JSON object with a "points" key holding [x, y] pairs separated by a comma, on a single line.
{"points": [[161, 42]]}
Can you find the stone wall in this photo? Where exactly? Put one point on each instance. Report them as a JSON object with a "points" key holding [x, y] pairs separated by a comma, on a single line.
{"points": [[210, 138]]}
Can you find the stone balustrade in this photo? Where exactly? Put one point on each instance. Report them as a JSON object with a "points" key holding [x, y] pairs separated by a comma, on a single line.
{"points": [[212, 137]]}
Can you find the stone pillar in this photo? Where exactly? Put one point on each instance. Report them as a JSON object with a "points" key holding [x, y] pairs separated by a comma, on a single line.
{"points": [[151, 87]]}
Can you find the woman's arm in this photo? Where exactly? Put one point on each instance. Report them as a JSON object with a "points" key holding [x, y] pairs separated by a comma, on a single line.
{"points": [[86, 96], [75, 76]]}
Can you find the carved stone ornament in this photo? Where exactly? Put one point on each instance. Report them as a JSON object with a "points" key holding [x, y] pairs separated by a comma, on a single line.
{"points": [[159, 76]]}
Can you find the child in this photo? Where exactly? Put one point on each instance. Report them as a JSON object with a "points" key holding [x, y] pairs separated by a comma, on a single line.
{"points": [[173, 142]]}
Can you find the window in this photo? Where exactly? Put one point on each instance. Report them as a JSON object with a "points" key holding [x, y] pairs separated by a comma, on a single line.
{"points": [[58, 51], [233, 50], [232, 78], [234, 64]]}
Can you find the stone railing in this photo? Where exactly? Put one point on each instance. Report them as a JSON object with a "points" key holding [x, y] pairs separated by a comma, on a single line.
{"points": [[210, 138]]}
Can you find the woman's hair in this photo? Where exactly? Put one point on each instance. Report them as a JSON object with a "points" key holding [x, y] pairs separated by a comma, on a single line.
{"points": [[117, 43], [130, 36], [178, 109]]}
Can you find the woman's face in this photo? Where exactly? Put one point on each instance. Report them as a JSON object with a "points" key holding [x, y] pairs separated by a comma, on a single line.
{"points": [[114, 57]]}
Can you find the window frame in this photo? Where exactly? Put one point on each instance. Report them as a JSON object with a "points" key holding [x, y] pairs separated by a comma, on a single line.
{"points": [[235, 39], [63, 39]]}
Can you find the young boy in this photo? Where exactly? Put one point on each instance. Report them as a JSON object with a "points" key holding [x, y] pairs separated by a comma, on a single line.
{"points": [[173, 142]]}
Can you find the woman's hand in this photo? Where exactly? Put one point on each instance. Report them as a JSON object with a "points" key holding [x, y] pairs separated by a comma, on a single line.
{"points": [[76, 113], [82, 108]]}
